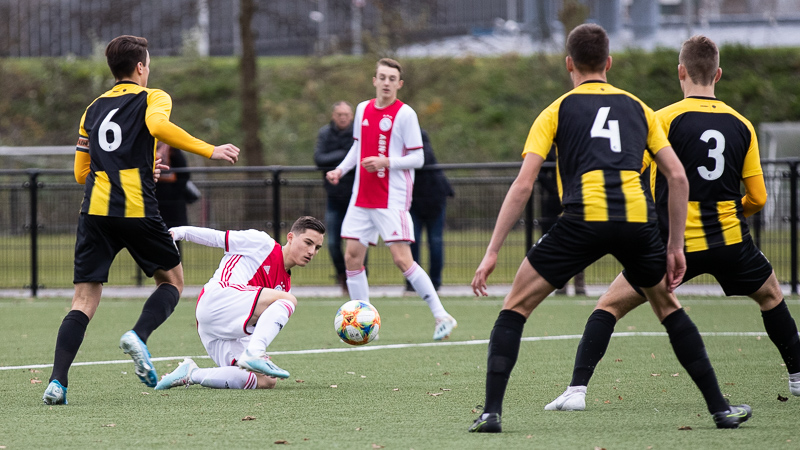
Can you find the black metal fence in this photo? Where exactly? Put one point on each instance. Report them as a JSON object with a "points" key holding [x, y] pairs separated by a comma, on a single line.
{"points": [[39, 212]]}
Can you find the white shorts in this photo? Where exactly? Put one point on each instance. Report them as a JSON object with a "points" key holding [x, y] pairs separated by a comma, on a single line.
{"points": [[222, 314], [365, 224]]}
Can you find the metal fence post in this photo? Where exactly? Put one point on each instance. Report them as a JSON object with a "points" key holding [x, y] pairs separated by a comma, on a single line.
{"points": [[33, 188], [793, 225], [276, 205]]}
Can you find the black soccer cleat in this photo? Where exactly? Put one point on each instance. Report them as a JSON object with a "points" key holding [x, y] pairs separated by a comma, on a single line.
{"points": [[733, 417], [488, 424]]}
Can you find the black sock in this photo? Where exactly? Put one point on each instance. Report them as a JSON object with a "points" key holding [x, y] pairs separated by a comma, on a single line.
{"points": [[503, 351], [782, 330], [691, 353], [69, 340], [593, 345], [156, 310]]}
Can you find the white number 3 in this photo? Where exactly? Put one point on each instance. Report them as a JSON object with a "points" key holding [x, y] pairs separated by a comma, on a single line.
{"points": [[714, 153], [114, 128], [611, 133]]}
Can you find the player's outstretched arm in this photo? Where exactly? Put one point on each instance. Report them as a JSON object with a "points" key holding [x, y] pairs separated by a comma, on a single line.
{"points": [[227, 152], [204, 236], [669, 165], [513, 205]]}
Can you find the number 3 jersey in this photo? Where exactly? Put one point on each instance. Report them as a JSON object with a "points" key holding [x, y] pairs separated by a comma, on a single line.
{"points": [[600, 134], [718, 148], [117, 133]]}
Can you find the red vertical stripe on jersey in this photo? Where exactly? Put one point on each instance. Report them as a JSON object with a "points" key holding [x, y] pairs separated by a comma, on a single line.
{"points": [[376, 134]]}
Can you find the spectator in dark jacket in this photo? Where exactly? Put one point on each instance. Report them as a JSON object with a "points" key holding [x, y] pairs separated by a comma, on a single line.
{"points": [[428, 210], [333, 142], [171, 188]]}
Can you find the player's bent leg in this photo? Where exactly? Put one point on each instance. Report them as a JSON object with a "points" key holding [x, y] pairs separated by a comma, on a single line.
{"points": [[528, 290], [620, 298], [769, 295], [357, 283], [781, 328]]}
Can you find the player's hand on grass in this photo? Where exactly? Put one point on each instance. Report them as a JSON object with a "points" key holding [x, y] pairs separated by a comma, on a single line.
{"points": [[159, 168], [485, 269], [676, 268], [227, 152], [333, 176]]}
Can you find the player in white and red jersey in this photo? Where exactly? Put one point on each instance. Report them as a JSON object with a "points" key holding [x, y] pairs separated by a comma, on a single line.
{"points": [[387, 147], [244, 306]]}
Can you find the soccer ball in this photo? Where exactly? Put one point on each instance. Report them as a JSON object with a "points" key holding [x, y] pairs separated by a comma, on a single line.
{"points": [[357, 322]]}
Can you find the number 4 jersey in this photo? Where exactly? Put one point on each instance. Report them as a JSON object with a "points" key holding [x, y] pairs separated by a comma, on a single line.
{"points": [[600, 134], [117, 133]]}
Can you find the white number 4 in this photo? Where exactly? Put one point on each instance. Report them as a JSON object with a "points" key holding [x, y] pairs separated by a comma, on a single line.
{"points": [[611, 133]]}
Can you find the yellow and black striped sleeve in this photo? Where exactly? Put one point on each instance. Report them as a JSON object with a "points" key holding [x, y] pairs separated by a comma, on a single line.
{"points": [[159, 107]]}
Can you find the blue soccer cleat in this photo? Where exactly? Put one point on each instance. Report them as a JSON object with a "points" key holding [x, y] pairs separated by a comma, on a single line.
{"points": [[55, 394], [181, 376], [260, 364], [133, 346]]}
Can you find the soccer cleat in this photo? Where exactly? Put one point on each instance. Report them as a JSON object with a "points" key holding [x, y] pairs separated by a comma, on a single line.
{"points": [[794, 387], [260, 364], [444, 326], [733, 417], [486, 423], [55, 394], [572, 401], [133, 346], [181, 376]]}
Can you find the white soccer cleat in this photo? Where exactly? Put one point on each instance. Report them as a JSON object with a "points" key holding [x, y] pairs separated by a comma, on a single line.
{"points": [[181, 376], [794, 387], [568, 401], [444, 326]]}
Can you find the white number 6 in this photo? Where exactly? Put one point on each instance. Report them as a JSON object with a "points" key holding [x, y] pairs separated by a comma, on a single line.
{"points": [[714, 153], [107, 126]]}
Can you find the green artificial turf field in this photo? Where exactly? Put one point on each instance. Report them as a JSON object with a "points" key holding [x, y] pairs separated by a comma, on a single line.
{"points": [[402, 391]]}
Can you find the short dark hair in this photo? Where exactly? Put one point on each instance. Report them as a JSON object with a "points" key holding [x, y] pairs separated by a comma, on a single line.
{"points": [[700, 56], [123, 53], [389, 62], [307, 223], [587, 45], [341, 102]]}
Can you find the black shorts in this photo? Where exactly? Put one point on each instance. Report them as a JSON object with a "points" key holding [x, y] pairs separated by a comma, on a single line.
{"points": [[740, 269], [100, 238], [572, 244]]}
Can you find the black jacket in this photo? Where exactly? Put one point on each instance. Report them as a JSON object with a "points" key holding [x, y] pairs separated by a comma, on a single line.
{"points": [[431, 187], [332, 146]]}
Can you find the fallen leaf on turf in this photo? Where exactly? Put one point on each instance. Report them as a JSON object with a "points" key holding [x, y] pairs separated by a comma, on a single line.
{"points": [[248, 418], [444, 389], [35, 381], [530, 436], [675, 374], [351, 373], [334, 386], [145, 393], [35, 371], [306, 439], [358, 429], [631, 327], [282, 441], [299, 381], [653, 355], [434, 394], [620, 397], [446, 373], [758, 338], [730, 384], [685, 428], [782, 398], [396, 389], [617, 360], [607, 401], [599, 448], [655, 374], [376, 446], [363, 376], [110, 425]]}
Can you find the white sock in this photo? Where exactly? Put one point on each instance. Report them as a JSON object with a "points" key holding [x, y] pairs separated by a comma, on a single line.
{"points": [[270, 323], [357, 285], [229, 377], [574, 389], [422, 283]]}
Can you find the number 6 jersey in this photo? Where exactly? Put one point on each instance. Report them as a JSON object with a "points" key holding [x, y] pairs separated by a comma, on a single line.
{"points": [[117, 142]]}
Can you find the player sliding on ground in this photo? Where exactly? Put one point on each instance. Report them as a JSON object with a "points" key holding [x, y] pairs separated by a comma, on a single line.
{"points": [[244, 306]]}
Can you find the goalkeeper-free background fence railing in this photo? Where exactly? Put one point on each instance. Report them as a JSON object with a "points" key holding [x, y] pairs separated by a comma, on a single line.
{"points": [[39, 213]]}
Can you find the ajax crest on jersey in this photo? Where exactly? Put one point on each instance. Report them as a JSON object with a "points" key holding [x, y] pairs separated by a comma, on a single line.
{"points": [[357, 322]]}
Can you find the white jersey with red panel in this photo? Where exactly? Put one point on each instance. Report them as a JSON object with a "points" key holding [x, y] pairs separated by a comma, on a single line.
{"points": [[392, 132], [251, 258]]}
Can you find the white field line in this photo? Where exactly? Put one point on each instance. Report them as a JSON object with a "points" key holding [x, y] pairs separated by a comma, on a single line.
{"points": [[395, 346]]}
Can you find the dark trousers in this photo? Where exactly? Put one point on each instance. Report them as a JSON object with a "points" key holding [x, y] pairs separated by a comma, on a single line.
{"points": [[435, 227]]}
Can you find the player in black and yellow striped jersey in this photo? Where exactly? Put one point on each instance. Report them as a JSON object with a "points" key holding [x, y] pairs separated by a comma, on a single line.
{"points": [[115, 159], [719, 149], [600, 134]]}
